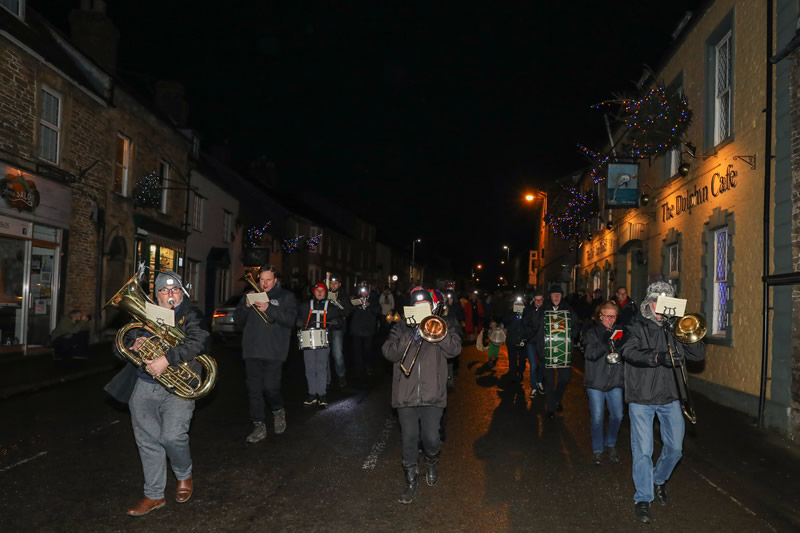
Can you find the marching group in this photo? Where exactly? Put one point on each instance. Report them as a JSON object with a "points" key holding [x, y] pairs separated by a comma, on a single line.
{"points": [[642, 375]]}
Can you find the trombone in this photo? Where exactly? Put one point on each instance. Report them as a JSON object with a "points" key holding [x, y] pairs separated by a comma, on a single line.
{"points": [[432, 329], [250, 280], [688, 329]]}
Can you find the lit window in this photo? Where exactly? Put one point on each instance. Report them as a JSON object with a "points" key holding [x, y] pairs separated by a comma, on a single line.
{"points": [[722, 89], [122, 162], [49, 125], [674, 258], [720, 315]]}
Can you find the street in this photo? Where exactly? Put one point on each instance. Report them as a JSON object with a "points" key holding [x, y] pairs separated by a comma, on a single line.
{"points": [[69, 463]]}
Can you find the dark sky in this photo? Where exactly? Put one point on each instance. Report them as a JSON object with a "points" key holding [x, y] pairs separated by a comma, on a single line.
{"points": [[446, 111]]}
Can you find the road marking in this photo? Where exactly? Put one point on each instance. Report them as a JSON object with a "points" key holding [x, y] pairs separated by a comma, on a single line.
{"points": [[734, 500], [104, 426], [383, 438], [23, 461]]}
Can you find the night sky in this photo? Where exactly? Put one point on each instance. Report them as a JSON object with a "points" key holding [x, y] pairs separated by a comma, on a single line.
{"points": [[444, 112]]}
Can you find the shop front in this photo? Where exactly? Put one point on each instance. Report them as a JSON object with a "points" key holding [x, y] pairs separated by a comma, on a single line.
{"points": [[160, 247], [34, 218]]}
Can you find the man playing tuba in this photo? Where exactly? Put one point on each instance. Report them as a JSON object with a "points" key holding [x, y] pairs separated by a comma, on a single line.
{"points": [[160, 418]]}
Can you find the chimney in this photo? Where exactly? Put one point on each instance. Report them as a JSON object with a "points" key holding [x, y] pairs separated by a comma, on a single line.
{"points": [[170, 100], [94, 34]]}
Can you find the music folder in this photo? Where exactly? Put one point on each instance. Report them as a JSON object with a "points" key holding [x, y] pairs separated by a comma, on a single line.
{"points": [[160, 315], [254, 297], [416, 312], [667, 306]]}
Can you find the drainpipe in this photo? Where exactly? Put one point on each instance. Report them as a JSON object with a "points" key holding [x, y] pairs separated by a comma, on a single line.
{"points": [[762, 396]]}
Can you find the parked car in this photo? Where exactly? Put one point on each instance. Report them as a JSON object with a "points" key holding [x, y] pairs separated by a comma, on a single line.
{"points": [[222, 323]]}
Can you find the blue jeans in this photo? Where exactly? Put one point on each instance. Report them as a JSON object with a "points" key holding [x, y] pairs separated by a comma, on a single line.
{"points": [[537, 374], [597, 402], [337, 345], [673, 428]]}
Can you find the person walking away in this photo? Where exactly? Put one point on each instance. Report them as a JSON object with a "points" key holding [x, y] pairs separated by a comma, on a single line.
{"points": [[421, 396], [265, 347], [652, 390], [603, 379]]}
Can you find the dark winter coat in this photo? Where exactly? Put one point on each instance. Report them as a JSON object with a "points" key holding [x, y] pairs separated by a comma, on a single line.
{"points": [[188, 319], [597, 373], [646, 381], [530, 322], [335, 316], [515, 331], [342, 302], [427, 383], [627, 312], [364, 321], [267, 341]]}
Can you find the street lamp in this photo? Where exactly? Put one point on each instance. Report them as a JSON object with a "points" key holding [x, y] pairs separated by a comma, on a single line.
{"points": [[508, 251]]}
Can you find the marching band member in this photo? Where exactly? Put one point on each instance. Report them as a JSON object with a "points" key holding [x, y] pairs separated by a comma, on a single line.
{"points": [[336, 331], [363, 324], [161, 419], [317, 314], [555, 393], [265, 348], [421, 396], [651, 390]]}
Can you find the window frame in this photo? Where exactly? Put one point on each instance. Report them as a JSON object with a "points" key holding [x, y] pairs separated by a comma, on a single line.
{"points": [[44, 123], [718, 136], [198, 212], [125, 165], [227, 226], [20, 9], [164, 168], [720, 285]]}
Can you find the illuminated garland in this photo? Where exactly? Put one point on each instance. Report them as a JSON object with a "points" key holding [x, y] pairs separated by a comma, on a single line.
{"points": [[255, 235], [569, 223], [290, 245], [147, 191], [657, 122], [598, 162], [313, 241]]}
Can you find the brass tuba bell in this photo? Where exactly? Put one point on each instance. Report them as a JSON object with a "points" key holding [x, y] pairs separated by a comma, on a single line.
{"points": [[180, 380], [690, 328]]}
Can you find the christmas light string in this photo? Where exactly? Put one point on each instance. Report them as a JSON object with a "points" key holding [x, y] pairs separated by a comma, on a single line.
{"points": [[255, 235], [290, 245], [313, 242], [147, 192], [570, 221]]}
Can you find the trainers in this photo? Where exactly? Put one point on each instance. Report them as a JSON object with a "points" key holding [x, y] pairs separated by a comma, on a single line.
{"points": [[660, 492], [642, 511], [533, 393], [612, 454], [597, 458], [540, 386], [259, 432], [279, 420], [311, 400], [323, 400]]}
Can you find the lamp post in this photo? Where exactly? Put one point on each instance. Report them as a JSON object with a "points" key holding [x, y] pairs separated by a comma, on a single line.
{"points": [[508, 252], [413, 252], [540, 235]]}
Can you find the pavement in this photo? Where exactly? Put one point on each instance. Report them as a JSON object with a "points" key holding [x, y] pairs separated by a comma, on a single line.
{"points": [[727, 443]]}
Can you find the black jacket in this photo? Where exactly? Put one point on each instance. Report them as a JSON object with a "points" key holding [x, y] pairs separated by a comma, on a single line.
{"points": [[190, 321], [627, 313], [646, 381], [515, 330], [427, 383], [364, 321], [267, 341], [597, 373], [341, 301], [334, 317]]}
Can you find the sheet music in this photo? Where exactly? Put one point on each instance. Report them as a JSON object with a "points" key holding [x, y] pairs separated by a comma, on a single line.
{"points": [[160, 315], [667, 306], [254, 297], [417, 312], [356, 302], [519, 308]]}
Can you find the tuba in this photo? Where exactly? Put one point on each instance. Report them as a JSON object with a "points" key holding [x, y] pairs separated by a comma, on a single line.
{"points": [[688, 329], [180, 380], [252, 282]]}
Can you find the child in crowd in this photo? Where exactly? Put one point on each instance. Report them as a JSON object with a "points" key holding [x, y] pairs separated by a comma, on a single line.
{"points": [[496, 335]]}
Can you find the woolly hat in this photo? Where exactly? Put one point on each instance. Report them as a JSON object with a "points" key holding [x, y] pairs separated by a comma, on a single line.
{"points": [[319, 285], [168, 279], [556, 288]]}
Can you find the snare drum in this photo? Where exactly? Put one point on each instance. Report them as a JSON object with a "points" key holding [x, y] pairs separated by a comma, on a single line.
{"points": [[312, 339]]}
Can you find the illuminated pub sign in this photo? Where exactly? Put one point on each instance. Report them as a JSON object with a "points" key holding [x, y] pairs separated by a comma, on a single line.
{"points": [[19, 193], [684, 202]]}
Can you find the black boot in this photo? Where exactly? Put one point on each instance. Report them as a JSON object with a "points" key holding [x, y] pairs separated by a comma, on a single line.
{"points": [[432, 466], [412, 476]]}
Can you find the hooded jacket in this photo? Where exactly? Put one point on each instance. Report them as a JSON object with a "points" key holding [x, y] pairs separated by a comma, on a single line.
{"points": [[646, 381], [427, 383]]}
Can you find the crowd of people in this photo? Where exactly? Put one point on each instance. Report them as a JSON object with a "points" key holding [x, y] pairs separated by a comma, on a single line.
{"points": [[629, 357]]}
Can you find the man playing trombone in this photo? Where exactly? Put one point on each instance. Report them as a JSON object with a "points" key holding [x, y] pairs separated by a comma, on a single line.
{"points": [[419, 385], [652, 389]]}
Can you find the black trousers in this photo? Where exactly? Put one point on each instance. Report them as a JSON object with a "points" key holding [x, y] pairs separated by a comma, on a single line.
{"points": [[419, 423], [554, 393], [362, 353], [263, 380]]}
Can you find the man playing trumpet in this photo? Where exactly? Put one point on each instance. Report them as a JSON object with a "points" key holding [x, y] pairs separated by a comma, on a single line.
{"points": [[420, 395]]}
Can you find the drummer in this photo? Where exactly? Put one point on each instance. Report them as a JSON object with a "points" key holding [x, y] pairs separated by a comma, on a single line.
{"points": [[314, 317]]}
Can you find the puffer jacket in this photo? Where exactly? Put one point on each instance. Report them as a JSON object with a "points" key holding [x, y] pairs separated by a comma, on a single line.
{"points": [[188, 319], [267, 341], [597, 373], [427, 383], [646, 381]]}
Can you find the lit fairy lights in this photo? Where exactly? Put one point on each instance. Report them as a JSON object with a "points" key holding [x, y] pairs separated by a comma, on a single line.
{"points": [[313, 242], [147, 192], [570, 222], [290, 245], [255, 234]]}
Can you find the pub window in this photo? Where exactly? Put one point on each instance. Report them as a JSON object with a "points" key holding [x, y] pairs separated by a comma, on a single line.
{"points": [[673, 253], [122, 163], [723, 79], [49, 125], [720, 316]]}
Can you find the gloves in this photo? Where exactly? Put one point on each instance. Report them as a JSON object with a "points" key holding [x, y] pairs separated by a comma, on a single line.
{"points": [[663, 358]]}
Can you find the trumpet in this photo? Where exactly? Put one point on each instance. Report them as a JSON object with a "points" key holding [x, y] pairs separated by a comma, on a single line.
{"points": [[391, 318], [432, 329], [248, 278], [688, 329]]}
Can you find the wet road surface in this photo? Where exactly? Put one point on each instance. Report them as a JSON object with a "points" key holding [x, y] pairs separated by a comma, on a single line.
{"points": [[69, 463]]}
